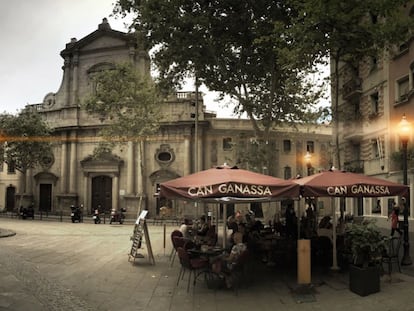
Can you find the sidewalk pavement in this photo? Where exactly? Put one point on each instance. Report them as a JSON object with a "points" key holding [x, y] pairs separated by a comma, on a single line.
{"points": [[33, 281]]}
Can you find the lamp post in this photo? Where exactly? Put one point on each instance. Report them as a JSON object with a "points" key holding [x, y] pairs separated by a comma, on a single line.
{"points": [[404, 133], [308, 162]]}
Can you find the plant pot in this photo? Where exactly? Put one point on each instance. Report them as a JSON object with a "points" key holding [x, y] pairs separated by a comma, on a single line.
{"points": [[364, 281]]}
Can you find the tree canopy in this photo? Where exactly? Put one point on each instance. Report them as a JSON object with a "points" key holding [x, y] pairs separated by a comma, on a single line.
{"points": [[241, 49], [26, 139], [348, 32], [128, 100]]}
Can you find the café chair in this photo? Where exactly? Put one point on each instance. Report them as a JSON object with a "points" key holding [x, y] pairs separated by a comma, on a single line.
{"points": [[189, 245], [239, 271], [391, 254], [195, 266], [177, 240]]}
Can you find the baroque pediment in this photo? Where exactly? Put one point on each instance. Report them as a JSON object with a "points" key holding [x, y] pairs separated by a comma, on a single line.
{"points": [[102, 158], [101, 38]]}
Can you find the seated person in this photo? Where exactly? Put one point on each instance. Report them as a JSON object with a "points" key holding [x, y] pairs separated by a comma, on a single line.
{"points": [[223, 264], [203, 227], [211, 236], [185, 228]]}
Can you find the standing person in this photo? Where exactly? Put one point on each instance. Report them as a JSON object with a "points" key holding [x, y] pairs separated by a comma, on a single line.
{"points": [[394, 219], [291, 222]]}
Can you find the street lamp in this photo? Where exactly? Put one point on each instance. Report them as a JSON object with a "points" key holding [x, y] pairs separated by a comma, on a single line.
{"points": [[404, 132], [308, 162]]}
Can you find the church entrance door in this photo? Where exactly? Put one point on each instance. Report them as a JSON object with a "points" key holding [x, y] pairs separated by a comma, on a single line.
{"points": [[102, 194]]}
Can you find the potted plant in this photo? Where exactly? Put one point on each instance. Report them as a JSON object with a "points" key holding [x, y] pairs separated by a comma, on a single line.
{"points": [[366, 246]]}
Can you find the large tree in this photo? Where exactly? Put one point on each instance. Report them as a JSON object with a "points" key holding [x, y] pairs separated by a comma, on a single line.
{"points": [[241, 49], [26, 140], [349, 32], [128, 101]]}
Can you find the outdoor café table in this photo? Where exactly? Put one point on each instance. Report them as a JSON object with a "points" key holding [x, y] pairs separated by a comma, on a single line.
{"points": [[206, 252], [271, 245]]}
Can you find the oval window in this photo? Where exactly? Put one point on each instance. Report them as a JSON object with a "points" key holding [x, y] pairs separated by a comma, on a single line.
{"points": [[164, 156]]}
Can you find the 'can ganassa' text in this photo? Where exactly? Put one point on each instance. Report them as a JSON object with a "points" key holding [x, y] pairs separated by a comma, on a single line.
{"points": [[359, 189], [231, 189]]}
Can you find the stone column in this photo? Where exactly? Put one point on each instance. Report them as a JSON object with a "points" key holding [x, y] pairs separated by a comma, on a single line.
{"points": [[130, 168], [64, 165], [29, 181], [73, 166], [200, 150], [75, 78], [66, 81], [139, 174], [187, 156], [115, 192], [86, 200]]}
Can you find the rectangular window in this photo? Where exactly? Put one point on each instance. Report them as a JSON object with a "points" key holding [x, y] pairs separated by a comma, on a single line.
{"points": [[11, 168], [227, 145], [403, 89], [374, 103], [376, 206], [310, 147], [287, 172], [287, 146], [375, 150]]}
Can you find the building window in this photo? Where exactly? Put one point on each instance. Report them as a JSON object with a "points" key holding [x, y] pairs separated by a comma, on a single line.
{"points": [[227, 145], [376, 208], [287, 145], [310, 146], [375, 149], [287, 172], [403, 88], [374, 98], [412, 77], [11, 169], [374, 63]]}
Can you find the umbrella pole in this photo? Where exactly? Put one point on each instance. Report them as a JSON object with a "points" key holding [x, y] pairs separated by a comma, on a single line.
{"points": [[334, 255], [224, 225], [303, 253]]}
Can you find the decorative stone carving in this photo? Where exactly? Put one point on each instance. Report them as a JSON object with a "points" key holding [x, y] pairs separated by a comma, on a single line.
{"points": [[164, 156]]}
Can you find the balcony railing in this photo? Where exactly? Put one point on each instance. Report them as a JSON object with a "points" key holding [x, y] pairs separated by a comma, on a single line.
{"points": [[351, 89], [355, 166]]}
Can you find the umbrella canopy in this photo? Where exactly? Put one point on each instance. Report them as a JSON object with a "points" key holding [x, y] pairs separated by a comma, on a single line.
{"points": [[335, 183], [229, 185]]}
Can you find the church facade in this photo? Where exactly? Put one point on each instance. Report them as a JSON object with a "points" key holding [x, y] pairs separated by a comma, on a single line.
{"points": [[190, 139]]}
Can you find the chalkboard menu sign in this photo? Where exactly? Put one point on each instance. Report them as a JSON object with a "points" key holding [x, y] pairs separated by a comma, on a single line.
{"points": [[140, 233]]}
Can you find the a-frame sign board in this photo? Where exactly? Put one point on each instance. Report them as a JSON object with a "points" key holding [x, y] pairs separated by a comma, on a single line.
{"points": [[140, 232]]}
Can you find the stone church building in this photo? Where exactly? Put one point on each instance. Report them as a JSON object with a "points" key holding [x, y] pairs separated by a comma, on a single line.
{"points": [[129, 176]]}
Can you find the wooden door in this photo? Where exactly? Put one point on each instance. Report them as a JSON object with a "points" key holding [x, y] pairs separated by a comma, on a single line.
{"points": [[102, 194]]}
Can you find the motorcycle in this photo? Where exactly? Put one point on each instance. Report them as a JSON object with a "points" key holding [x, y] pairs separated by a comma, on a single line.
{"points": [[75, 215], [27, 212], [96, 217], [117, 216]]}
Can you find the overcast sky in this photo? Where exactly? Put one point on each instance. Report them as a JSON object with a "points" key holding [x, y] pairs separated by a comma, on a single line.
{"points": [[33, 33]]}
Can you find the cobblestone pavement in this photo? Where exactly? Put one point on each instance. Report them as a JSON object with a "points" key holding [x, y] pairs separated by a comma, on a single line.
{"points": [[63, 266]]}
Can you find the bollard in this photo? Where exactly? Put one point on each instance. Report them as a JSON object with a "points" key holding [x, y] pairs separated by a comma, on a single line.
{"points": [[304, 262], [61, 216], [165, 233], [41, 215]]}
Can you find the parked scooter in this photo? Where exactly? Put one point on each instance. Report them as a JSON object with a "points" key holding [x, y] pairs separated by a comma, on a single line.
{"points": [[75, 214], [26, 212], [96, 217], [117, 216]]}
